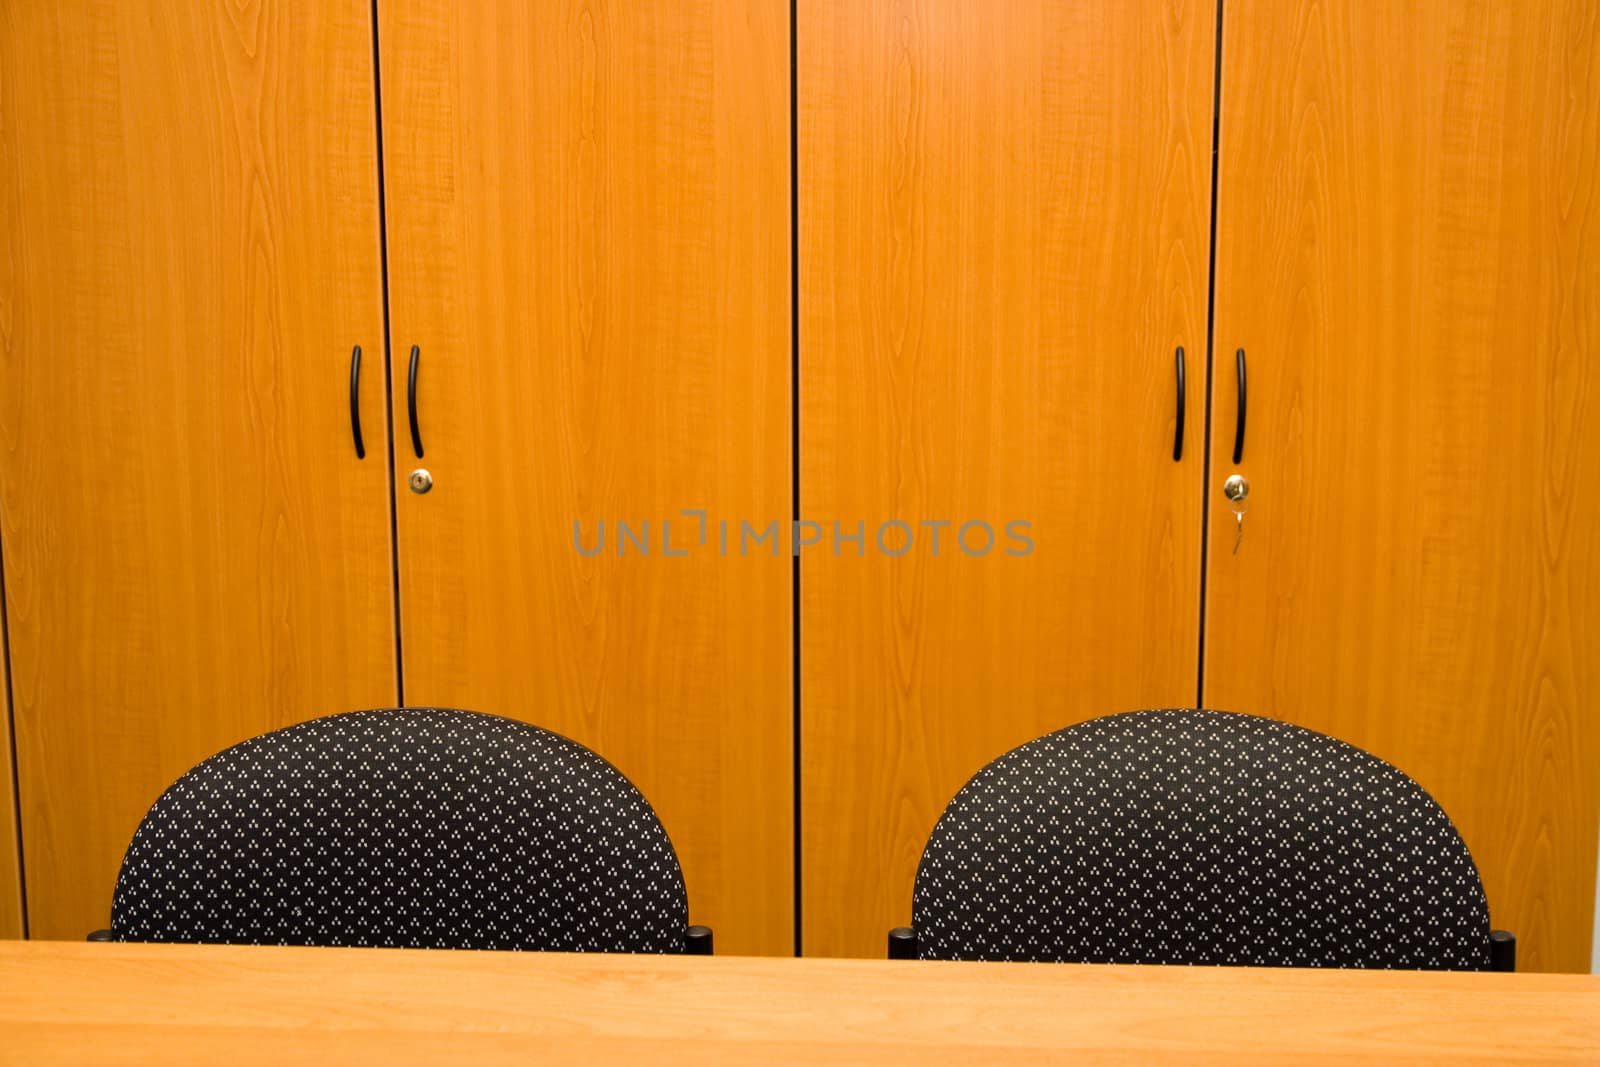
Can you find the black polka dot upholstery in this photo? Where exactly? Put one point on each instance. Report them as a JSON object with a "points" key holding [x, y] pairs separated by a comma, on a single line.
{"points": [[428, 828], [1198, 837]]}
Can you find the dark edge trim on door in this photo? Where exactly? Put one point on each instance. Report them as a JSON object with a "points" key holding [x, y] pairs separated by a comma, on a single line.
{"points": [[1211, 332], [15, 829], [388, 366], [794, 447]]}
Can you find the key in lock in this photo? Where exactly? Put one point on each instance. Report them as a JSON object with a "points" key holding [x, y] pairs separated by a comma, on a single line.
{"points": [[1237, 490]]}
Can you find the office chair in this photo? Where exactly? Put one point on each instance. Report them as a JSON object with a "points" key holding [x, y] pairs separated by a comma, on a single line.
{"points": [[1199, 837], [406, 827]]}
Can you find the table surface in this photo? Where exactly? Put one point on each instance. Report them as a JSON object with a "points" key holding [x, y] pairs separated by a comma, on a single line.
{"points": [[64, 1002]]}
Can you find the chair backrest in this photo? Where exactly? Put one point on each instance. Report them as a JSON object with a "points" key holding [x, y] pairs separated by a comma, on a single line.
{"points": [[1198, 837], [415, 827]]}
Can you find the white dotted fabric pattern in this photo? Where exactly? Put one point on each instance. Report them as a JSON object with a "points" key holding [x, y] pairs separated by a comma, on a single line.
{"points": [[1198, 837], [417, 827]]}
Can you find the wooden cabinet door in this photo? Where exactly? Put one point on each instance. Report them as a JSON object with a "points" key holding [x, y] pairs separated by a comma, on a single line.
{"points": [[1408, 251], [1004, 237], [588, 209], [189, 249]]}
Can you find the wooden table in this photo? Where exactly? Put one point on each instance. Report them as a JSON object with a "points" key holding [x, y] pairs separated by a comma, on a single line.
{"points": [[105, 1003]]}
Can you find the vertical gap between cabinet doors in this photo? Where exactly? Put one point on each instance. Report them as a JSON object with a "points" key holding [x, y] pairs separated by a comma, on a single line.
{"points": [[1211, 331], [794, 449], [15, 829], [388, 372]]}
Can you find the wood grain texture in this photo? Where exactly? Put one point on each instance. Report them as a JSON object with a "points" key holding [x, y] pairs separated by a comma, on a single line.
{"points": [[588, 209], [142, 1004], [1409, 252], [193, 553], [1004, 221]]}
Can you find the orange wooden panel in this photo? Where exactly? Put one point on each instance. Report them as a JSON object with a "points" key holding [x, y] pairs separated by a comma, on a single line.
{"points": [[588, 211], [193, 554], [1004, 232], [1409, 253]]}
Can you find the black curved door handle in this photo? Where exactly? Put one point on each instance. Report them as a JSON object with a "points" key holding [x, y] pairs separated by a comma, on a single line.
{"points": [[1183, 396], [411, 401], [355, 402], [1238, 427]]}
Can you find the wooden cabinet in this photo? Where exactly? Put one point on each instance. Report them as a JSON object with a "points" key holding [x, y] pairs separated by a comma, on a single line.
{"points": [[1004, 234], [1003, 220], [588, 213], [587, 234], [193, 553], [1407, 252], [1010, 218]]}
